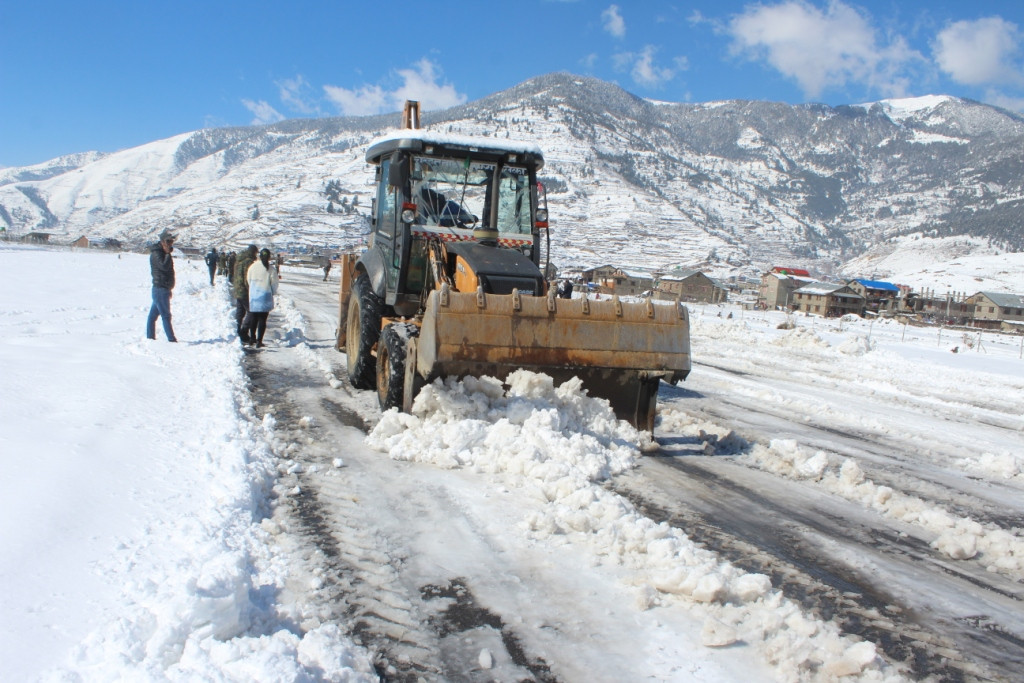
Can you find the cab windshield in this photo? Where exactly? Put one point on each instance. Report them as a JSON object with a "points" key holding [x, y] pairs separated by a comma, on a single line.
{"points": [[459, 194]]}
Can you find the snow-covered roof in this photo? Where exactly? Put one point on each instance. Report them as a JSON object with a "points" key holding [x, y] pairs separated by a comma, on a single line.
{"points": [[637, 274], [679, 275], [825, 288], [795, 278]]}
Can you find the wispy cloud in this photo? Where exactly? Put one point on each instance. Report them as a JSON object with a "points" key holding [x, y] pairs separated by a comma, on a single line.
{"points": [[1005, 101], [823, 49], [613, 21], [980, 52], [417, 83], [262, 112], [643, 69], [297, 94]]}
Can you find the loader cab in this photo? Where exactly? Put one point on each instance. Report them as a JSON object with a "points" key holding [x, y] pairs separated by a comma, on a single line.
{"points": [[434, 187]]}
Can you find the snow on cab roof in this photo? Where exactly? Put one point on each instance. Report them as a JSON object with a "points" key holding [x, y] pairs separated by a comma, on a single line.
{"points": [[393, 140]]}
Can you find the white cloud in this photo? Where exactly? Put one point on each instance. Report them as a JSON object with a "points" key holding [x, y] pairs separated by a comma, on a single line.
{"points": [[642, 68], [294, 94], [613, 21], [263, 112], [1005, 101], [980, 52], [822, 49], [418, 83]]}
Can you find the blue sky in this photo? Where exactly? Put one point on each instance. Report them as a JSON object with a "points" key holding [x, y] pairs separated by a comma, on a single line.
{"points": [[95, 75]]}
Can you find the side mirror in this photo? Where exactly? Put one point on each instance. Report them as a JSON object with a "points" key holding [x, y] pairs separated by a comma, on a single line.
{"points": [[398, 171]]}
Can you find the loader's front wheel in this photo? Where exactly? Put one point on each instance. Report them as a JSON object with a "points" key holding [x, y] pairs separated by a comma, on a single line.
{"points": [[362, 333], [391, 355]]}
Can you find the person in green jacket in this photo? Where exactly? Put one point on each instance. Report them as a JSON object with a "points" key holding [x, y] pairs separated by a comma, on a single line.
{"points": [[240, 289]]}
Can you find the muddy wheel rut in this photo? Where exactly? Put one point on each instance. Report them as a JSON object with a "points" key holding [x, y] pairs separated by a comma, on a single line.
{"points": [[794, 543], [415, 630]]}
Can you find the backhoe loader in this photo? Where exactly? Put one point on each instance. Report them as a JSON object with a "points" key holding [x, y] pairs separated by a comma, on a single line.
{"points": [[451, 283]]}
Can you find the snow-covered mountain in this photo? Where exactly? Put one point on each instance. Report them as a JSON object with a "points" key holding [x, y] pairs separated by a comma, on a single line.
{"points": [[732, 186]]}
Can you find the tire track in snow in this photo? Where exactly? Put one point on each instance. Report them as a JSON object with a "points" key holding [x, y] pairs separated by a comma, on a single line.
{"points": [[355, 583], [833, 563], [360, 575]]}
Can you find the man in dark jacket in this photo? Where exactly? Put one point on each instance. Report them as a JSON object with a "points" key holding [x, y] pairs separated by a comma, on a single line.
{"points": [[240, 288], [211, 263], [161, 266]]}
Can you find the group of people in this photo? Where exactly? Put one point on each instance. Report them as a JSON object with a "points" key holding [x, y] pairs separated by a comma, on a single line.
{"points": [[252, 278], [254, 284]]}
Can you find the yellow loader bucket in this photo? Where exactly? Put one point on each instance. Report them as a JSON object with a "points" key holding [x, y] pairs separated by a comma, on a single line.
{"points": [[620, 350]]}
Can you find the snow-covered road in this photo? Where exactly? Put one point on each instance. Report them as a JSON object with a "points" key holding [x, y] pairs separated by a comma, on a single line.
{"points": [[875, 478], [837, 500]]}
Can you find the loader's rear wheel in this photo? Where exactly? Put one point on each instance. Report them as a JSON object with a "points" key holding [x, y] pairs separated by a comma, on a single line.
{"points": [[362, 333], [391, 354]]}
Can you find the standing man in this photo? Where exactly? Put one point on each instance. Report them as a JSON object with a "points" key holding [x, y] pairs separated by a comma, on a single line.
{"points": [[161, 265], [240, 288], [211, 263]]}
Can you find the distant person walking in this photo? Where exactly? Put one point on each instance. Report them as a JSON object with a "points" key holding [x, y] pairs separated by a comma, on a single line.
{"points": [[262, 278], [231, 267], [161, 266], [211, 263], [240, 288], [327, 267]]}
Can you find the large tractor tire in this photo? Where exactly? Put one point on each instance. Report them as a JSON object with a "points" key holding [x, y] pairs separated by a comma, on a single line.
{"points": [[362, 333], [391, 356]]}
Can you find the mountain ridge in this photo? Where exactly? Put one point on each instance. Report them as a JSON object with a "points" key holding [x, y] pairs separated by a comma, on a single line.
{"points": [[732, 186]]}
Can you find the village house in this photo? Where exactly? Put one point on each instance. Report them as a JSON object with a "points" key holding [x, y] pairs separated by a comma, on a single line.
{"points": [[951, 308], [778, 285], [84, 242], [830, 300], [995, 310], [690, 285], [879, 297], [613, 280], [36, 238]]}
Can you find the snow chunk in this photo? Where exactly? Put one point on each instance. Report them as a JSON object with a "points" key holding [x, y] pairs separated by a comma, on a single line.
{"points": [[717, 633], [535, 429], [800, 338], [855, 346]]}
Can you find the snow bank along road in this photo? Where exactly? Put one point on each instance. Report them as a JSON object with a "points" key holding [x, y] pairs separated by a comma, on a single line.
{"points": [[841, 498]]}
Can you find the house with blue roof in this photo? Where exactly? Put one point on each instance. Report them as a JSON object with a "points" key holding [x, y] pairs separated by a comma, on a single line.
{"points": [[879, 297]]}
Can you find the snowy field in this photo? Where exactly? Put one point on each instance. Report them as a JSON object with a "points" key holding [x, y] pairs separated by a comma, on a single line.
{"points": [[141, 481], [135, 482]]}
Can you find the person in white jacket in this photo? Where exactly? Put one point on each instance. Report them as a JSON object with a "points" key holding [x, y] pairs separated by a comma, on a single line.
{"points": [[262, 280]]}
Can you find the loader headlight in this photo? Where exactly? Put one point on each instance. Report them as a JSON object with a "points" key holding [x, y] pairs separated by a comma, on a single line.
{"points": [[408, 216], [542, 215]]}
